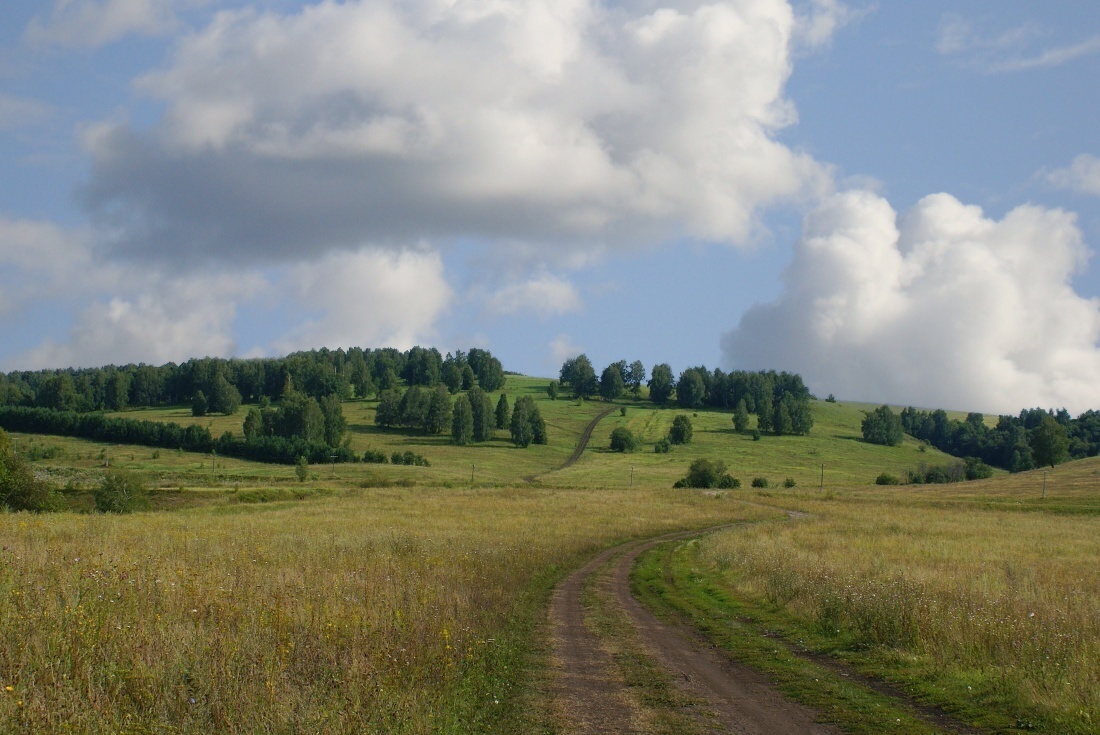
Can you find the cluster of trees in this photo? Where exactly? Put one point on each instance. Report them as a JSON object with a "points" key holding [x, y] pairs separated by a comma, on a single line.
{"points": [[427, 409], [219, 386], [97, 427], [780, 401], [1033, 439], [298, 416], [475, 418]]}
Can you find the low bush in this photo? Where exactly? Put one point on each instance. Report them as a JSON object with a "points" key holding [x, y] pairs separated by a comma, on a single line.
{"points": [[789, 482], [374, 456], [887, 479], [623, 440], [759, 482], [121, 492], [663, 446], [409, 458]]}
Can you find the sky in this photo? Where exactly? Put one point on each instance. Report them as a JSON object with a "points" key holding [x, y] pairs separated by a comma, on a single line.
{"points": [[900, 201]]}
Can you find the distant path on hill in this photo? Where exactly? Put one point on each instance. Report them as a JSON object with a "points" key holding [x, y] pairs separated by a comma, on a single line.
{"points": [[582, 444], [586, 435]]}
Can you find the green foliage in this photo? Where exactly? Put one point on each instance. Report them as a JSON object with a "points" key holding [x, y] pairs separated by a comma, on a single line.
{"points": [[761, 482], [741, 416], [527, 425], [373, 456], [789, 482], [660, 384], [462, 422], [437, 416], [708, 473], [409, 458], [663, 446], [301, 469], [580, 376], [121, 492], [551, 390], [19, 488], [389, 408], [623, 440], [690, 389], [611, 383], [199, 404], [830, 399], [481, 408], [756, 435], [1049, 442], [883, 426], [504, 411], [635, 377], [887, 479], [253, 424], [336, 426], [681, 430], [622, 411]]}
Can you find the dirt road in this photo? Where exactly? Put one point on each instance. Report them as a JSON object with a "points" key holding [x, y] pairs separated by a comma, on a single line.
{"points": [[592, 698]]}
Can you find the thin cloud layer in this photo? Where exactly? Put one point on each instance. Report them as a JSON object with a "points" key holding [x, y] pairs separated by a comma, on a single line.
{"points": [[89, 24], [942, 308], [382, 122], [544, 294], [1082, 175]]}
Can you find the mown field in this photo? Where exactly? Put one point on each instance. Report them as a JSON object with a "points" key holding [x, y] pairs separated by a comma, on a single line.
{"points": [[383, 598]]}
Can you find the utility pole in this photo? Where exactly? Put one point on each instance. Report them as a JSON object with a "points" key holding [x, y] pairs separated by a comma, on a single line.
{"points": [[631, 475], [333, 455], [471, 474], [213, 456], [822, 488], [1044, 484]]}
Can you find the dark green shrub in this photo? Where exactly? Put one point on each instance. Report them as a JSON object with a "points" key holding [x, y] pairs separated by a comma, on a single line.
{"points": [[759, 482], [728, 482], [662, 446], [756, 435], [789, 482], [708, 473], [373, 456], [887, 479], [623, 440], [681, 430]]}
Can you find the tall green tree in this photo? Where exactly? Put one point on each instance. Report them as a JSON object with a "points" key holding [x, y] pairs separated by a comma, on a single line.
{"points": [[660, 384], [681, 431], [1049, 442], [336, 426], [611, 382], [503, 412], [484, 418], [462, 421], [438, 414], [637, 377], [690, 389], [389, 408], [741, 416]]}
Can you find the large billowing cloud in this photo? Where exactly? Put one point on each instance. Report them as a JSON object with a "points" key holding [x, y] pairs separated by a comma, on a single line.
{"points": [[383, 123], [944, 307]]}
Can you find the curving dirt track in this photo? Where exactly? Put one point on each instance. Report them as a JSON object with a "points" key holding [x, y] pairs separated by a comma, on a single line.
{"points": [[591, 699], [582, 444]]}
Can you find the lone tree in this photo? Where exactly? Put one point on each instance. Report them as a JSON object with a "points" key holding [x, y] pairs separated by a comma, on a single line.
{"points": [[681, 430], [1049, 442], [882, 426]]}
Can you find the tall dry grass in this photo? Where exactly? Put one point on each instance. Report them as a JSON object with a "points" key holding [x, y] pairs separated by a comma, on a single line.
{"points": [[400, 611], [1008, 603]]}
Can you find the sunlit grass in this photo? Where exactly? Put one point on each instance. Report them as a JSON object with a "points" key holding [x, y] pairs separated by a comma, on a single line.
{"points": [[401, 610], [999, 609]]}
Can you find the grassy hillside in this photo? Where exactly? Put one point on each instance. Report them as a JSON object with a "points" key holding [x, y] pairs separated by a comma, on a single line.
{"points": [[834, 442]]}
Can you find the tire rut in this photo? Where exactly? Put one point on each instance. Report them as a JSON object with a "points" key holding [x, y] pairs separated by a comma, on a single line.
{"points": [[578, 451], [592, 699]]}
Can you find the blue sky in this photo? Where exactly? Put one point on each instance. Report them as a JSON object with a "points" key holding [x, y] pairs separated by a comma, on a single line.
{"points": [[897, 200]]}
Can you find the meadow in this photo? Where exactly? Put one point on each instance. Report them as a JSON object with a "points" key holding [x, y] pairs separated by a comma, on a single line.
{"points": [[982, 598], [384, 598]]}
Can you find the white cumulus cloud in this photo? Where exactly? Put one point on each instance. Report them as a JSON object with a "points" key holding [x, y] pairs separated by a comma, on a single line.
{"points": [[944, 307], [385, 122], [367, 298]]}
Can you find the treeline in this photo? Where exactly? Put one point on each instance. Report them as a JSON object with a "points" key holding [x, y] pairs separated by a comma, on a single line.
{"points": [[1034, 438], [97, 427], [780, 401], [222, 385]]}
